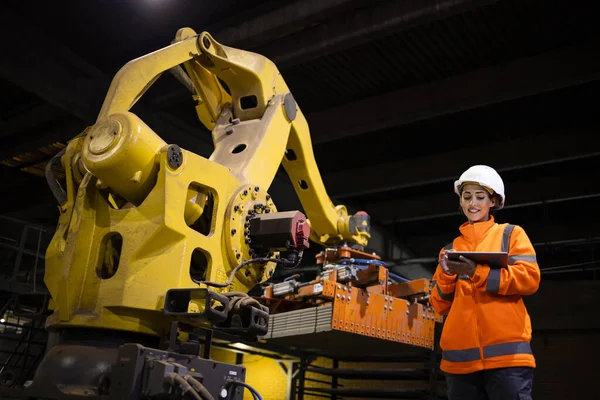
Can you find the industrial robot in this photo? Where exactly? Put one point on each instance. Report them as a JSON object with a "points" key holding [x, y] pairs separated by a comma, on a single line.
{"points": [[155, 242]]}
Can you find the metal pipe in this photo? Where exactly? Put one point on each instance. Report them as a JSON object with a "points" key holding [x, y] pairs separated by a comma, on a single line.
{"points": [[20, 354], [31, 225], [8, 336], [317, 380], [568, 241], [37, 257], [366, 25], [564, 271], [428, 260], [568, 266], [20, 251], [14, 286], [419, 260], [312, 394], [25, 251], [450, 179], [528, 204]]}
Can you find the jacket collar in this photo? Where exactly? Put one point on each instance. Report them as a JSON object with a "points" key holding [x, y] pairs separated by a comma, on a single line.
{"points": [[477, 231]]}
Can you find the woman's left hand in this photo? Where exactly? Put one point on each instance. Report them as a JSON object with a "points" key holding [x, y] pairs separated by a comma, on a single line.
{"points": [[462, 267]]}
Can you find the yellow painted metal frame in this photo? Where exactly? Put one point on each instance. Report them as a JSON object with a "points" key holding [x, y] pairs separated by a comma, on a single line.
{"points": [[120, 184]]}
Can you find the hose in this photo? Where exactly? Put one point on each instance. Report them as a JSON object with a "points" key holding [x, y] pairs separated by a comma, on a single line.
{"points": [[199, 387], [177, 380], [295, 276], [361, 261], [57, 190], [293, 262], [183, 78], [398, 277], [374, 262], [238, 300], [253, 391], [279, 261]]}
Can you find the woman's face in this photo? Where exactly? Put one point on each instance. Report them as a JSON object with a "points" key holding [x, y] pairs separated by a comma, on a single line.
{"points": [[476, 202]]}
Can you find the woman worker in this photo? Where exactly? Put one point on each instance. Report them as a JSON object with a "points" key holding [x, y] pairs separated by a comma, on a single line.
{"points": [[485, 342]]}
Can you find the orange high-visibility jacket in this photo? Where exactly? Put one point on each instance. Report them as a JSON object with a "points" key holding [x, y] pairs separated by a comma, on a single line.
{"points": [[487, 325]]}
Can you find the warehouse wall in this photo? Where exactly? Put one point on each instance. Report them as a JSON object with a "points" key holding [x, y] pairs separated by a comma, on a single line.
{"points": [[566, 365], [564, 316]]}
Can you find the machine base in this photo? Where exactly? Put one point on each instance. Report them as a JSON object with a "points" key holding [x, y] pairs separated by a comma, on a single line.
{"points": [[129, 371]]}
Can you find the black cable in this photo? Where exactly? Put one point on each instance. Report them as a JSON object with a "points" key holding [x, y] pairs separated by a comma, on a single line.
{"points": [[280, 262], [294, 265], [240, 300], [193, 395], [199, 387], [253, 391], [57, 190], [178, 381], [179, 73]]}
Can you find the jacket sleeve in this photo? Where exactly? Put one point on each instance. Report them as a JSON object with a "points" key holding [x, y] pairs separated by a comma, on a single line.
{"points": [[521, 277], [442, 292]]}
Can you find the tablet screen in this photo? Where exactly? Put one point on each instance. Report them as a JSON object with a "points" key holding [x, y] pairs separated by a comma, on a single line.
{"points": [[492, 259]]}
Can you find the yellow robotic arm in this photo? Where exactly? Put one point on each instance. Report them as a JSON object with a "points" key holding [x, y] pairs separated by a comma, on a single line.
{"points": [[144, 222], [253, 84]]}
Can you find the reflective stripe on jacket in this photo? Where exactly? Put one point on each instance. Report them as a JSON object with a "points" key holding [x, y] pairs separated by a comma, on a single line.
{"points": [[487, 325]]}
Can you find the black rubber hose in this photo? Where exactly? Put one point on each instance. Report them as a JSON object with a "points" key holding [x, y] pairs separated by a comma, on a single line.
{"points": [[57, 190], [281, 262], [199, 387], [187, 389]]}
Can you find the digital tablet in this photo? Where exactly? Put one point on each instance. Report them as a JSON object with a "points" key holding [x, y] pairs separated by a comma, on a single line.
{"points": [[493, 259]]}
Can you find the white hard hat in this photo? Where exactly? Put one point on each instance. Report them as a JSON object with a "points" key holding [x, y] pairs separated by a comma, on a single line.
{"points": [[484, 176]]}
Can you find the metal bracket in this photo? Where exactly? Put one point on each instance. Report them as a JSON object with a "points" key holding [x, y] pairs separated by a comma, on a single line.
{"points": [[31, 305], [177, 302], [250, 322]]}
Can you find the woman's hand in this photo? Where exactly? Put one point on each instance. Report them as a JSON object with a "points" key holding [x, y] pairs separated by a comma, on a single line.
{"points": [[462, 267], [444, 263]]}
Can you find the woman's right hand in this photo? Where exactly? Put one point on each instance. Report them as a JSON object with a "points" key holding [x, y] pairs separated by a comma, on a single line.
{"points": [[444, 264]]}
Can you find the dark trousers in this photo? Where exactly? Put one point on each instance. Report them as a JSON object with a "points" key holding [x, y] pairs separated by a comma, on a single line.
{"points": [[493, 384]]}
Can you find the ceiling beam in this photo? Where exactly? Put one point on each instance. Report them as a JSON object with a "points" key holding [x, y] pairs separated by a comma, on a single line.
{"points": [[541, 248], [523, 193], [576, 195], [361, 26], [429, 245], [511, 80], [507, 155], [293, 34], [46, 68], [290, 18], [11, 177], [264, 28], [30, 119], [22, 190], [62, 130], [573, 305]]}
